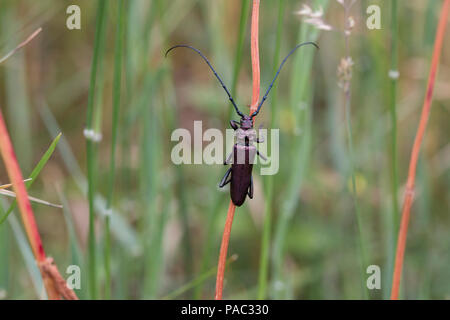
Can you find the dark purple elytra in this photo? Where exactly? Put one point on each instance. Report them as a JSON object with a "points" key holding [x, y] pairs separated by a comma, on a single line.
{"points": [[239, 175]]}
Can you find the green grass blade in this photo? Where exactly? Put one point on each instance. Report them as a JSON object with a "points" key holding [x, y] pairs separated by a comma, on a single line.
{"points": [[362, 247], [115, 120], [5, 258], [75, 249], [30, 262], [269, 181], [155, 260], [150, 182], [393, 140], [90, 148], [243, 21], [34, 173]]}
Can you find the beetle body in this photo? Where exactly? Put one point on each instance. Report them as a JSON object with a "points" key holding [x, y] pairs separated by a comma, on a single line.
{"points": [[244, 151], [241, 158], [241, 183]]}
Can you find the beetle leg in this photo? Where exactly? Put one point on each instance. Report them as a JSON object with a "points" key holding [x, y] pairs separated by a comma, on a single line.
{"points": [[261, 155], [228, 160], [250, 188], [234, 124], [224, 180]]}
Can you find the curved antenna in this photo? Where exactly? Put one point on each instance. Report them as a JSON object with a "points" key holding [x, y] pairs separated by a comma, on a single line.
{"points": [[214, 71], [276, 75]]}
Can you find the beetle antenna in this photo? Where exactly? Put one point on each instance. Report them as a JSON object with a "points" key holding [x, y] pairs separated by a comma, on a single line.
{"points": [[276, 74], [214, 71]]}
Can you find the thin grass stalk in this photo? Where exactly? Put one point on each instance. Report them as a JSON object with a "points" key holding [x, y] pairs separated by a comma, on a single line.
{"points": [[90, 149], [129, 93], [96, 132], [393, 75], [133, 56], [156, 262], [393, 111], [21, 45], [253, 107], [269, 183], [29, 222], [5, 257], [255, 57], [76, 253], [24, 248], [245, 10], [351, 155], [115, 123], [361, 244], [223, 251], [151, 182], [409, 192]]}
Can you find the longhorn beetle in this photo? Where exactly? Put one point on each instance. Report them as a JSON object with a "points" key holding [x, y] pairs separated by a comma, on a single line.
{"points": [[244, 151]]}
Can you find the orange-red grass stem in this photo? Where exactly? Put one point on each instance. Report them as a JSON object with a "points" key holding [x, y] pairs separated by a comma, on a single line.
{"points": [[15, 176], [255, 56], [253, 107], [223, 251], [409, 193]]}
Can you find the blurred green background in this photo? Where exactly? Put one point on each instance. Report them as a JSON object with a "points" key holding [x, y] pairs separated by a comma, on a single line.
{"points": [[167, 220]]}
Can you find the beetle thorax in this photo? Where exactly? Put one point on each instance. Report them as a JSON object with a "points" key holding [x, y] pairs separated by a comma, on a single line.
{"points": [[245, 136]]}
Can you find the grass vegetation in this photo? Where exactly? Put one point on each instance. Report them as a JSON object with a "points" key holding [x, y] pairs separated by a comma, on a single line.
{"points": [[140, 227]]}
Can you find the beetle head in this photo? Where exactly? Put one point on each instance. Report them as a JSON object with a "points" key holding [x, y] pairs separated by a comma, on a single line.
{"points": [[246, 122]]}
